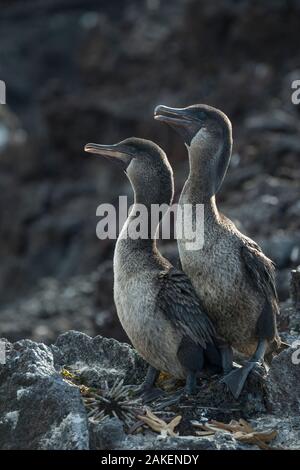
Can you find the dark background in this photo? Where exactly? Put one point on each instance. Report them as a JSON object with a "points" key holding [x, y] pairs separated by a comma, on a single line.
{"points": [[79, 71]]}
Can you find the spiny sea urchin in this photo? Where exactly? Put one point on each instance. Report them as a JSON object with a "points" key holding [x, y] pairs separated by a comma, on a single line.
{"points": [[114, 401], [107, 401]]}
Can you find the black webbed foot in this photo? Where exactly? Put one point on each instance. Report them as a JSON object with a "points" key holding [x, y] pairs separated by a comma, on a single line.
{"points": [[152, 393], [147, 391], [236, 379]]}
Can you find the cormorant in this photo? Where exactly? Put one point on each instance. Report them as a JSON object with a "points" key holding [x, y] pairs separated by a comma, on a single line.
{"points": [[156, 303], [231, 275]]}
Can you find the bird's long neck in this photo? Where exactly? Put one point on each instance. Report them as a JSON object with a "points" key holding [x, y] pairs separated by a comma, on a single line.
{"points": [[141, 220], [209, 156]]}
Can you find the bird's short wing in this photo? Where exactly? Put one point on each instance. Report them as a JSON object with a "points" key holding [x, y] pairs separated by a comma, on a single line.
{"points": [[180, 304], [260, 270], [261, 274]]}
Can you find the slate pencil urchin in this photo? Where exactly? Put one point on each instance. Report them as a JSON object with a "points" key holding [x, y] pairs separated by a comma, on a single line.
{"points": [[112, 402]]}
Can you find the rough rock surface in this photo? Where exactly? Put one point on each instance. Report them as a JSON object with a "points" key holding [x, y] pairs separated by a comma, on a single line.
{"points": [[38, 409], [41, 407], [283, 381]]}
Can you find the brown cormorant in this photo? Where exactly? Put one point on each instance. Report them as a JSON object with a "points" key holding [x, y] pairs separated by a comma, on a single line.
{"points": [[156, 303], [233, 278]]}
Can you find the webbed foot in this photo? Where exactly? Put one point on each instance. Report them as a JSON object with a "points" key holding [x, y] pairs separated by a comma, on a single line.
{"points": [[152, 394], [147, 391], [236, 379]]}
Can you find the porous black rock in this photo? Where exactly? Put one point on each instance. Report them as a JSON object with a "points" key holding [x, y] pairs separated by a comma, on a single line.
{"points": [[44, 399], [98, 359], [283, 382], [38, 409], [41, 410]]}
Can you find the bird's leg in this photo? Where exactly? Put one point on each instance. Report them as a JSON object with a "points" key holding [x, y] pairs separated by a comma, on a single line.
{"points": [[259, 354], [190, 384], [191, 357], [236, 379], [226, 358], [190, 387], [150, 379], [147, 389]]}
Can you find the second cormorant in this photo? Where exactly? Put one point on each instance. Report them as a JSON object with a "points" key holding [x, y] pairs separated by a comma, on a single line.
{"points": [[231, 275], [156, 303]]}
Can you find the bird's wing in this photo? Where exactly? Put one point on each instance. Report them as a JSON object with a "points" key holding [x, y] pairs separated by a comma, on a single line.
{"points": [[180, 304], [260, 270]]}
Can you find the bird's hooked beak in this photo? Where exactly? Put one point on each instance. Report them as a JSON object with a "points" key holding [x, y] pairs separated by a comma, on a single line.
{"points": [[181, 119], [169, 115], [118, 153]]}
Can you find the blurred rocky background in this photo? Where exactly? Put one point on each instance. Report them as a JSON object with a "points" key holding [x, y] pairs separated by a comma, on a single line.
{"points": [[84, 70]]}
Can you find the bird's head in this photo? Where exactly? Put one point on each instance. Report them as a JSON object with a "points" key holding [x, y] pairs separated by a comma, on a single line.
{"points": [[189, 121], [207, 133], [146, 166]]}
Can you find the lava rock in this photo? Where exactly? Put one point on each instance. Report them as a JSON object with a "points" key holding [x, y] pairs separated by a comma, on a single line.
{"points": [[98, 359], [106, 435], [38, 409], [41, 410], [41, 404], [283, 382]]}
